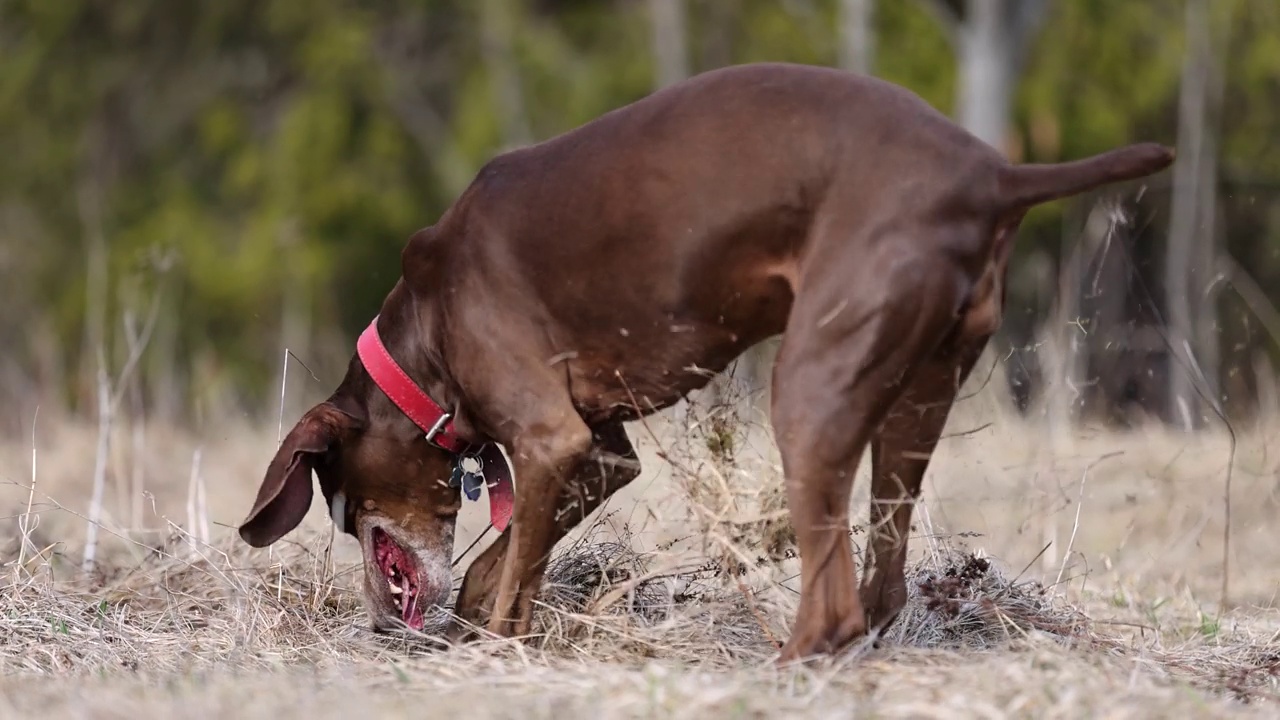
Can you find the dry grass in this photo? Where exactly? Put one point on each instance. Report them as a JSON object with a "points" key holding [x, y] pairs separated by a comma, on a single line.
{"points": [[671, 603], [232, 626]]}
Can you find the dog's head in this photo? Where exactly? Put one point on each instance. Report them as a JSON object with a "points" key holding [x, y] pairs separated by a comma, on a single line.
{"points": [[384, 484]]}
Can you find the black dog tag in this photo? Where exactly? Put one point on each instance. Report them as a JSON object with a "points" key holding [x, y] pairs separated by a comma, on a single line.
{"points": [[470, 475]]}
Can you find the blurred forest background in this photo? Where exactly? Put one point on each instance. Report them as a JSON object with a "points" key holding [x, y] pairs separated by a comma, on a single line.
{"points": [[188, 189]]}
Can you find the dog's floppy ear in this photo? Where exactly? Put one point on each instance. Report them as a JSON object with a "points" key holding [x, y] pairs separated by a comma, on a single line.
{"points": [[285, 494]]}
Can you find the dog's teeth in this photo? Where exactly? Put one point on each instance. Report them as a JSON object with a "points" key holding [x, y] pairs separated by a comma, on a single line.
{"points": [[395, 589]]}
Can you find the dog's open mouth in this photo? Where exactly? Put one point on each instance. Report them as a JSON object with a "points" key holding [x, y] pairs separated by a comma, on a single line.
{"points": [[401, 574]]}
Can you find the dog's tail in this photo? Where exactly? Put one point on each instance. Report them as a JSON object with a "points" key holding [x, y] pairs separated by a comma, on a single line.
{"points": [[1022, 186]]}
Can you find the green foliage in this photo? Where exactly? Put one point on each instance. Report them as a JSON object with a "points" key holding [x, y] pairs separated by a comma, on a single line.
{"points": [[259, 160]]}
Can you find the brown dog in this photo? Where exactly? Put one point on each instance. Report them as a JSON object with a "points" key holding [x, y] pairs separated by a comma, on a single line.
{"points": [[593, 278]]}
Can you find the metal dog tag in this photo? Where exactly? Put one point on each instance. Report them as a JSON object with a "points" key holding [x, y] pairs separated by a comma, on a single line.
{"points": [[471, 469]]}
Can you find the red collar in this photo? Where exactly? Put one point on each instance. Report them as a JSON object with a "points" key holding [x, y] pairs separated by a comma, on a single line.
{"points": [[405, 393], [434, 421]]}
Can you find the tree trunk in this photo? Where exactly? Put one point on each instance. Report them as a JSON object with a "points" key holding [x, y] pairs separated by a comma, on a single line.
{"points": [[1204, 267], [857, 35], [497, 46], [670, 41], [986, 49], [717, 36], [89, 201], [1194, 345]]}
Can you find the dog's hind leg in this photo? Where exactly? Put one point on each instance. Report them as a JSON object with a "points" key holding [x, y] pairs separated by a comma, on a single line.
{"points": [[851, 346], [900, 454], [610, 465]]}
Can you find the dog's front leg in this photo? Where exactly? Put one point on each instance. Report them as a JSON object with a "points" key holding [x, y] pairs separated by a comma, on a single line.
{"points": [[611, 464], [544, 459]]}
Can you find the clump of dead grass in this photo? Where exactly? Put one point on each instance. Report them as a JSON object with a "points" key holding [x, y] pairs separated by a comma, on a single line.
{"points": [[961, 599]]}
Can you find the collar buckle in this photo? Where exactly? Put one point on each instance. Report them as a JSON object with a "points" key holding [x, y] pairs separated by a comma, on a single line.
{"points": [[438, 426]]}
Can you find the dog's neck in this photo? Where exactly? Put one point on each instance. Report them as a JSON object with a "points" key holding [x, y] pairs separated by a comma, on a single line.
{"points": [[412, 332]]}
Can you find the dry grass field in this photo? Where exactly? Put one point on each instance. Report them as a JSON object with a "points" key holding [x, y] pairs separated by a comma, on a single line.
{"points": [[1055, 575]]}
